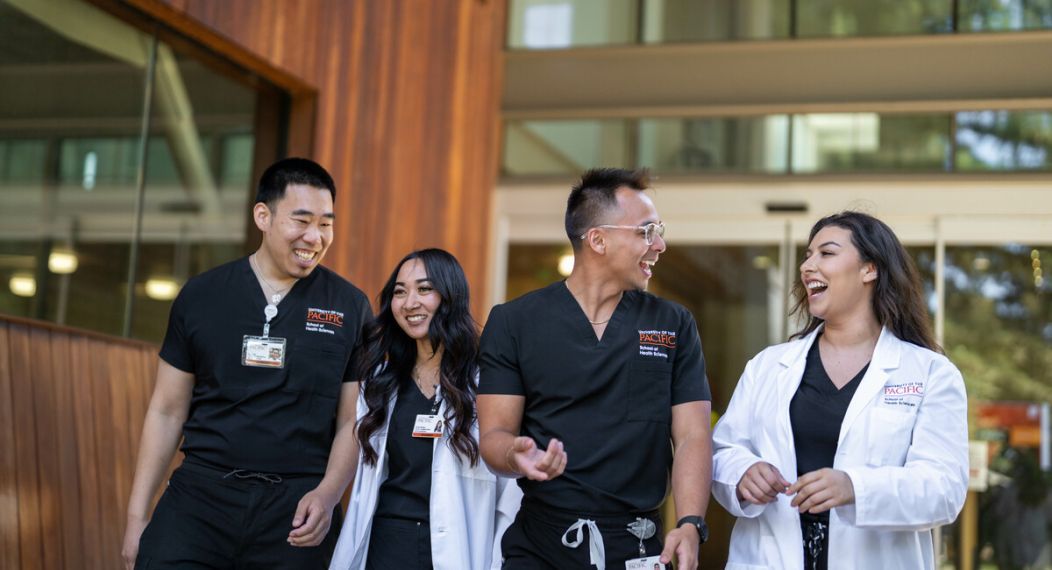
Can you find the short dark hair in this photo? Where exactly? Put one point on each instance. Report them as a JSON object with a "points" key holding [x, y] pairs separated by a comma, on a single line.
{"points": [[898, 299], [277, 177], [595, 195]]}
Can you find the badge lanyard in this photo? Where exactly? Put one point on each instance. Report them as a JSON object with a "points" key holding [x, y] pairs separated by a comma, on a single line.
{"points": [[265, 351]]}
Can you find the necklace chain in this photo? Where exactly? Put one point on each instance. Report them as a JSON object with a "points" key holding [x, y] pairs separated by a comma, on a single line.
{"points": [[275, 293], [597, 323]]}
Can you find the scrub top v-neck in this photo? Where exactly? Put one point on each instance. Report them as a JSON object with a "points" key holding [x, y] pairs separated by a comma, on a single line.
{"points": [[816, 412], [608, 400], [406, 492]]}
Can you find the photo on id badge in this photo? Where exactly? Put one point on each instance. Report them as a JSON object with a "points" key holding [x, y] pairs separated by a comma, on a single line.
{"points": [[648, 563]]}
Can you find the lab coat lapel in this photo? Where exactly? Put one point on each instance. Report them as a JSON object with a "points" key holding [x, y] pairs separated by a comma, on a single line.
{"points": [[793, 363], [885, 358]]}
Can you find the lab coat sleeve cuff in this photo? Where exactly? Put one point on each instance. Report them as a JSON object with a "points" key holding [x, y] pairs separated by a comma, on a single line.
{"points": [[856, 511], [725, 485]]}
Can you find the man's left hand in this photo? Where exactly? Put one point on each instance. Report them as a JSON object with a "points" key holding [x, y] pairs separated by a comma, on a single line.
{"points": [[683, 542], [821, 490], [312, 519]]}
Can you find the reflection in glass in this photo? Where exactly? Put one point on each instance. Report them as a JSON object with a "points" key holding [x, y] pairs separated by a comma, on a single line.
{"points": [[833, 142], [565, 147], [667, 21], [1004, 15], [70, 121], [1004, 140], [734, 144], [823, 18], [556, 24]]}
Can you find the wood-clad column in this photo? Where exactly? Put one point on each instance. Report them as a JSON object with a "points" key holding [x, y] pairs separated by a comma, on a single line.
{"points": [[407, 115]]}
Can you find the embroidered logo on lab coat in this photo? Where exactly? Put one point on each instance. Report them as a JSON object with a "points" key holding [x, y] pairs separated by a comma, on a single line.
{"points": [[903, 394]]}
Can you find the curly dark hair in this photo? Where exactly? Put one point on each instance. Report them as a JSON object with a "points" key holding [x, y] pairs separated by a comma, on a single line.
{"points": [[898, 302], [387, 355]]}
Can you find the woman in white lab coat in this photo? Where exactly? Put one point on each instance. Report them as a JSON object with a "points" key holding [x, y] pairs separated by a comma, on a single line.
{"points": [[422, 498], [844, 447]]}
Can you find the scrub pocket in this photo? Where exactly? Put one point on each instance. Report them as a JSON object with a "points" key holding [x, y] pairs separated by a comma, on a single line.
{"points": [[650, 392], [317, 368]]}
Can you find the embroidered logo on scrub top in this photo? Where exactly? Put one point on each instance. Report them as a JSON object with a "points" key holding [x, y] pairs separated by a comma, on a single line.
{"points": [[323, 320], [656, 343], [905, 394]]}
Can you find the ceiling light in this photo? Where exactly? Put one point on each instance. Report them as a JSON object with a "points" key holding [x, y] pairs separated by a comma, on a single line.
{"points": [[62, 261], [161, 289], [23, 285]]}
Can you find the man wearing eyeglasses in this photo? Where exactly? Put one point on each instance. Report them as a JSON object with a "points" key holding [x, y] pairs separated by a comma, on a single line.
{"points": [[593, 393]]}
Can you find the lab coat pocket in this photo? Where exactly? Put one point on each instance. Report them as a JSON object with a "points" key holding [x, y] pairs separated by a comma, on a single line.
{"points": [[890, 436], [650, 392]]}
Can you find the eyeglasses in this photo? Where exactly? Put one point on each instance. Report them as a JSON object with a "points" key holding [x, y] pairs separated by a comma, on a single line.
{"points": [[649, 231]]}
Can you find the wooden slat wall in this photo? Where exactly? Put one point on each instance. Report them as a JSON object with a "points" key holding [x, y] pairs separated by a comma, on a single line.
{"points": [[72, 405], [407, 115]]}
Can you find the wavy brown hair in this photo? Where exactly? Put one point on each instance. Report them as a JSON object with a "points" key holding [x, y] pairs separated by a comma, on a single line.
{"points": [[387, 355], [898, 302]]}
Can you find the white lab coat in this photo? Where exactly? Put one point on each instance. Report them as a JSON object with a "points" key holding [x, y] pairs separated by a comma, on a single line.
{"points": [[470, 506], [903, 443]]}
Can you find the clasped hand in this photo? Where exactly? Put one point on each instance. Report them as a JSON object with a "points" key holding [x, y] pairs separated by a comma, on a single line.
{"points": [[814, 492]]}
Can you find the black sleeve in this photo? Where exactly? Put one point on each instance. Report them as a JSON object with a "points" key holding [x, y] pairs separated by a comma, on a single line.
{"points": [[360, 320], [499, 358], [689, 382], [176, 348]]}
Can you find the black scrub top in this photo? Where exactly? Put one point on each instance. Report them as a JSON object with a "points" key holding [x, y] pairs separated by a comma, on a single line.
{"points": [[816, 412], [263, 419], [406, 492], [609, 401]]}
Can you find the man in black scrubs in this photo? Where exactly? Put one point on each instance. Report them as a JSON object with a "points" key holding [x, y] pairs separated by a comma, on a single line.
{"points": [[593, 391], [253, 377]]}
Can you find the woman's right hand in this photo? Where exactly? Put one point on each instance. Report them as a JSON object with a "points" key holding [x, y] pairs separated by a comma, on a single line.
{"points": [[761, 484]]}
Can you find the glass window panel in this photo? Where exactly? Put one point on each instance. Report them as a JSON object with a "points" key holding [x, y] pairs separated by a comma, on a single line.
{"points": [[823, 18], [836, 142], [1004, 140], [70, 114], [555, 24], [197, 199], [1004, 15], [714, 20], [720, 144], [67, 87], [565, 147]]}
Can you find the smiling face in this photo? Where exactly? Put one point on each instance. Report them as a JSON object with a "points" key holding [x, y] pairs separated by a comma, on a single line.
{"points": [[415, 300], [297, 231], [628, 256], [838, 283]]}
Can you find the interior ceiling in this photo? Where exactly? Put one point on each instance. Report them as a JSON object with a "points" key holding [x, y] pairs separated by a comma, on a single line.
{"points": [[622, 81]]}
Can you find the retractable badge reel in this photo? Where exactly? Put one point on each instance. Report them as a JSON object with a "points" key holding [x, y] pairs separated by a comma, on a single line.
{"points": [[643, 529], [264, 351], [428, 425]]}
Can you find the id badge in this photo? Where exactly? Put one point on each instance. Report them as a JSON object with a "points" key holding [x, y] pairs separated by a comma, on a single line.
{"points": [[648, 563], [263, 351], [428, 425]]}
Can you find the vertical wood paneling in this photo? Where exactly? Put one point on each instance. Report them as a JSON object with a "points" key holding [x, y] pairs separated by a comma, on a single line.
{"points": [[408, 96], [71, 406], [9, 497]]}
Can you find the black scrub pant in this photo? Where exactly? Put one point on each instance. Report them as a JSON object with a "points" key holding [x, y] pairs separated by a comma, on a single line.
{"points": [[399, 544], [210, 519], [534, 540]]}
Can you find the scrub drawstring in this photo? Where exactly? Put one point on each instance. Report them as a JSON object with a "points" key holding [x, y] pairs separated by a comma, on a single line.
{"points": [[596, 550]]}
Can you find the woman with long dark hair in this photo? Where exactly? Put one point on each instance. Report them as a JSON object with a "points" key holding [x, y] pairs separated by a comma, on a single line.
{"points": [[422, 497], [850, 442]]}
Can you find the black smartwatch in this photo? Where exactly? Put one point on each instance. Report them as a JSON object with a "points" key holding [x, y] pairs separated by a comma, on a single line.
{"points": [[699, 523]]}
